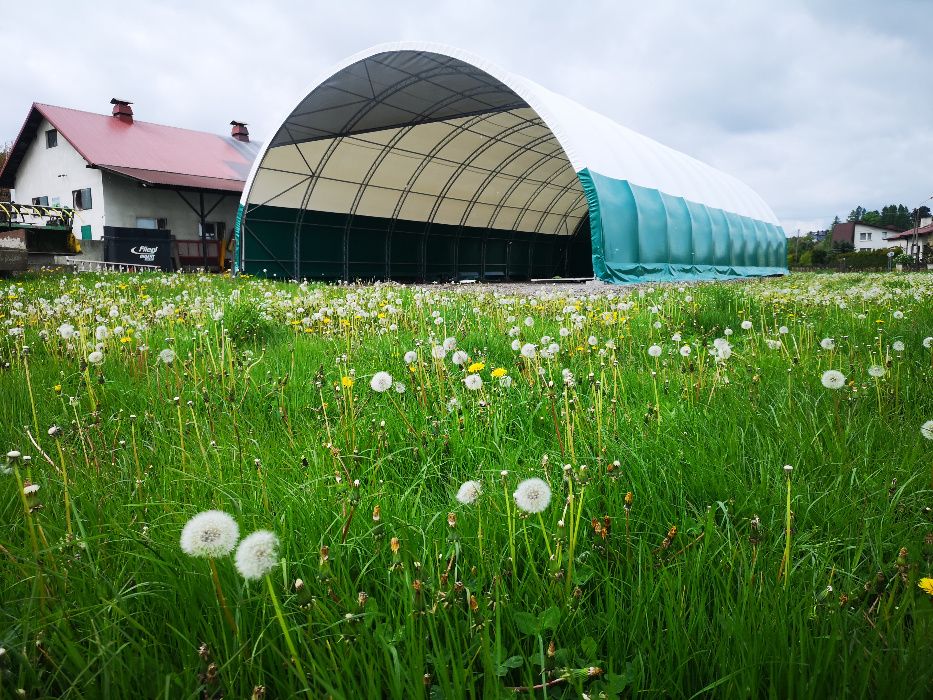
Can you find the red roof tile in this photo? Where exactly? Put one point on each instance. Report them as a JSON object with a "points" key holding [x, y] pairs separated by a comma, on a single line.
{"points": [[161, 179], [106, 142]]}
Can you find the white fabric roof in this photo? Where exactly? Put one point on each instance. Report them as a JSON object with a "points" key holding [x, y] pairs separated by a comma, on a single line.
{"points": [[433, 133]]}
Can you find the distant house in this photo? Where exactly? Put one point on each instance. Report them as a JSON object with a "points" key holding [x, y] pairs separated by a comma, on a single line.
{"points": [[865, 236], [914, 240], [128, 178]]}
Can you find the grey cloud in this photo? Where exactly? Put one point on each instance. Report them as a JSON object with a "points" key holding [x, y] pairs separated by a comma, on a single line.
{"points": [[818, 105]]}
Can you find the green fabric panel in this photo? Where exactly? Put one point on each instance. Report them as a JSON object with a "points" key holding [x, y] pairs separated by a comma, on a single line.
{"points": [[680, 250], [652, 225], [86, 234], [702, 227], [639, 233], [336, 245], [721, 246]]}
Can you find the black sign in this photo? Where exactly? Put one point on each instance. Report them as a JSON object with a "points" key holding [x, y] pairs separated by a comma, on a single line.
{"points": [[138, 246]]}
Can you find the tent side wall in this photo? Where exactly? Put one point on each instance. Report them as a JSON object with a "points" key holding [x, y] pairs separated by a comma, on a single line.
{"points": [[643, 234], [332, 246]]}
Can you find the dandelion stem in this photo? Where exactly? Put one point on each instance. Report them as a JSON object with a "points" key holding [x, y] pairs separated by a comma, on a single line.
{"points": [[785, 562], [222, 599], [61, 458], [288, 637]]}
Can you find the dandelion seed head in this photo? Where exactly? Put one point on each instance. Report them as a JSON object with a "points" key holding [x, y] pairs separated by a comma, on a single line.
{"points": [[833, 379], [469, 491], [381, 381], [927, 430], [532, 495], [212, 533], [655, 351], [257, 555], [473, 382]]}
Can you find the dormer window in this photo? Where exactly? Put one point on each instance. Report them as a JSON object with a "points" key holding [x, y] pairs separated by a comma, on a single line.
{"points": [[51, 138]]}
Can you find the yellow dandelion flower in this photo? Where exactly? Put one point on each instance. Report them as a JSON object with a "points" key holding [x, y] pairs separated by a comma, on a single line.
{"points": [[347, 381], [926, 584], [476, 366], [499, 372]]}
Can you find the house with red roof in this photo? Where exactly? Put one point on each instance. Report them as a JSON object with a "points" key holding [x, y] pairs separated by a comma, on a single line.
{"points": [[916, 241], [132, 183]]}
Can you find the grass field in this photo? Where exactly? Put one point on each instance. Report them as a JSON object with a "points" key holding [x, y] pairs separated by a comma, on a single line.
{"points": [[676, 556]]}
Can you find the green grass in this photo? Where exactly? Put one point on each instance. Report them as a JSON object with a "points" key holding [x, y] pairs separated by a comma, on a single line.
{"points": [[358, 485]]}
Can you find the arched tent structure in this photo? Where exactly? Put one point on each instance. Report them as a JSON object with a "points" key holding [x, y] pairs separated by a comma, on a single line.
{"points": [[415, 161]]}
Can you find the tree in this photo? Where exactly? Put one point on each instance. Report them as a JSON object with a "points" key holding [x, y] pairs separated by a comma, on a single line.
{"points": [[856, 214], [843, 247], [872, 218]]}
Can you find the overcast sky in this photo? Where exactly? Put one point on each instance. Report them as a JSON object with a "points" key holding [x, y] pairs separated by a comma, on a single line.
{"points": [[819, 105]]}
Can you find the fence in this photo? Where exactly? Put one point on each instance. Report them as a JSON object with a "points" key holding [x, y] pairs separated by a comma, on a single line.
{"points": [[100, 266]]}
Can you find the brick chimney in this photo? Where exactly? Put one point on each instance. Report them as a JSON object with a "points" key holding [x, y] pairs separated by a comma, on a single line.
{"points": [[239, 131], [122, 110]]}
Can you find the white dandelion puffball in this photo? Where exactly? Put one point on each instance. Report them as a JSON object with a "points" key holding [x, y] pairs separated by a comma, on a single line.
{"points": [[469, 492], [833, 379], [563, 332], [928, 342], [410, 357], [676, 337], [167, 356], [473, 382], [450, 344], [655, 351], [381, 381], [212, 533], [685, 350], [876, 371], [459, 358], [505, 382], [897, 346], [399, 388], [746, 325], [528, 351], [66, 331], [438, 352], [96, 357], [257, 555], [828, 344], [898, 315], [927, 430], [783, 330], [532, 495]]}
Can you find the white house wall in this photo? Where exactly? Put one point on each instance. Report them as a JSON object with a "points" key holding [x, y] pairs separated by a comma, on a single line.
{"points": [[126, 201], [55, 173], [879, 238]]}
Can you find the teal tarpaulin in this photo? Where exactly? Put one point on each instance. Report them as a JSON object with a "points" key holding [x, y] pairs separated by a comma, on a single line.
{"points": [[641, 234]]}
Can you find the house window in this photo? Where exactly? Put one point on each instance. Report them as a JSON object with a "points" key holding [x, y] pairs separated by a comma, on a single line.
{"points": [[884, 235], [40, 201], [51, 138], [861, 236], [869, 235], [81, 198], [146, 222], [214, 230]]}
